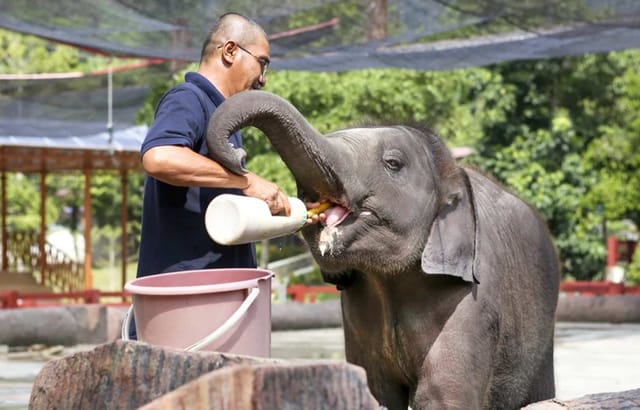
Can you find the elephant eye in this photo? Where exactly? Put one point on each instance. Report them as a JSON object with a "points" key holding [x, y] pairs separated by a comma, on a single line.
{"points": [[393, 161]]}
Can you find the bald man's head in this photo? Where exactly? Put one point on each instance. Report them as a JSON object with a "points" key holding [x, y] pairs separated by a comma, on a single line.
{"points": [[231, 26]]}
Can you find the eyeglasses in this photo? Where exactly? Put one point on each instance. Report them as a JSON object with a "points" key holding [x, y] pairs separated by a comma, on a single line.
{"points": [[264, 61]]}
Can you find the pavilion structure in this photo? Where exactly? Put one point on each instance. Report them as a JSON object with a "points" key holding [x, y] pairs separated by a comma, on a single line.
{"points": [[43, 158], [70, 123]]}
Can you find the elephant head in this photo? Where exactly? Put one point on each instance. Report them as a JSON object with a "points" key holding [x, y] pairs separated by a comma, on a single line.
{"points": [[399, 199]]}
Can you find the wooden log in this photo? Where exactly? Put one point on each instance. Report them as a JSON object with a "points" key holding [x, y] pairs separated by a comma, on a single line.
{"points": [[322, 385], [123, 375]]}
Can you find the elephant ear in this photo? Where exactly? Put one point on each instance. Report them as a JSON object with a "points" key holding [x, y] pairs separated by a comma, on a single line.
{"points": [[451, 245]]}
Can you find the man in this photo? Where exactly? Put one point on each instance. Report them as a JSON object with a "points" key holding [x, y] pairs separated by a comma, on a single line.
{"points": [[181, 179]]}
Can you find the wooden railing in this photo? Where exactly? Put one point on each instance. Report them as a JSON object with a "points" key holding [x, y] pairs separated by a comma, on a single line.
{"points": [[61, 273], [598, 288], [309, 293], [12, 299], [22, 250], [298, 293]]}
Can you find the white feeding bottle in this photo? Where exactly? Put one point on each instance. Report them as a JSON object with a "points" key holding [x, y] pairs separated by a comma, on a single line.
{"points": [[236, 219]]}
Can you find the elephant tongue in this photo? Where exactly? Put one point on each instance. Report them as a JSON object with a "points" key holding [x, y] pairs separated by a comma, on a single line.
{"points": [[335, 215]]}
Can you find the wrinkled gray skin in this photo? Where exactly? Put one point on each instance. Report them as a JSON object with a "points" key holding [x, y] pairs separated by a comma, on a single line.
{"points": [[449, 282]]}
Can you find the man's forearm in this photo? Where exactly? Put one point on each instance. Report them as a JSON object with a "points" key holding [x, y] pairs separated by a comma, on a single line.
{"points": [[180, 166]]}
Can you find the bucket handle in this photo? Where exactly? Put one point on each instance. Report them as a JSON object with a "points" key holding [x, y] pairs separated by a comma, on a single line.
{"points": [[228, 324], [126, 322], [213, 336]]}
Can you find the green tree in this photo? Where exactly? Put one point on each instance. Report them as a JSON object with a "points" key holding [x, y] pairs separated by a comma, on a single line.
{"points": [[25, 54], [66, 193], [615, 154], [23, 202], [558, 146]]}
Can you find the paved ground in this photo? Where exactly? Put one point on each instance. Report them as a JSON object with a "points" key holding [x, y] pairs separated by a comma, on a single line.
{"points": [[589, 358]]}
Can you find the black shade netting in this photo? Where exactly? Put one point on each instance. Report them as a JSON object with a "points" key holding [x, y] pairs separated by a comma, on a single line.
{"points": [[338, 35]]}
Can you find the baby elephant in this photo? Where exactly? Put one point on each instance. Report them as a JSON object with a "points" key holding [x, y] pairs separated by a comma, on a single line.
{"points": [[449, 281]]}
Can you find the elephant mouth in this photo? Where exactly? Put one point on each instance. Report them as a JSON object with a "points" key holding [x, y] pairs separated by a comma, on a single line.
{"points": [[336, 214], [334, 235]]}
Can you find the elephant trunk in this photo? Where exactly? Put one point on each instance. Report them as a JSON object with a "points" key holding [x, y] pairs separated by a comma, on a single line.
{"points": [[306, 152]]}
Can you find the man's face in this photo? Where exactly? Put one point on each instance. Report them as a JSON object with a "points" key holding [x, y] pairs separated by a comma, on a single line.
{"points": [[252, 60]]}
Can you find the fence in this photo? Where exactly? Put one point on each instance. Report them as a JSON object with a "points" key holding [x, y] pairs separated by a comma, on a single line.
{"points": [[13, 299], [598, 288], [61, 273]]}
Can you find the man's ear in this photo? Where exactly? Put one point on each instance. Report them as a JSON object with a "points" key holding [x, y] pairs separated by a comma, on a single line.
{"points": [[229, 51]]}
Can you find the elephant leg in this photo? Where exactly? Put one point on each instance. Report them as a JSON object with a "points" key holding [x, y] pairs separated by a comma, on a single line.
{"points": [[457, 370], [381, 375], [390, 395], [543, 385], [442, 390]]}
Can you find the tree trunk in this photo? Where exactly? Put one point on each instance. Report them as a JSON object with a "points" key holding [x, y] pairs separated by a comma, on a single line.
{"points": [[377, 25]]}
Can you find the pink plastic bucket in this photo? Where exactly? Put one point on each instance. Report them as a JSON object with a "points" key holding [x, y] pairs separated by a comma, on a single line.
{"points": [[225, 310]]}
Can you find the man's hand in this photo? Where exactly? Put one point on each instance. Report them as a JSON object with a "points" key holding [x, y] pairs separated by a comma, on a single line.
{"points": [[269, 192]]}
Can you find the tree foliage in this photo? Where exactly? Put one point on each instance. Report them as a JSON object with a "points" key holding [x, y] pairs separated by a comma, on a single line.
{"points": [[25, 54], [566, 145]]}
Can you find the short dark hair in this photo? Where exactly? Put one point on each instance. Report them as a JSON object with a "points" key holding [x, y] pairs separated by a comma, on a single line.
{"points": [[230, 26]]}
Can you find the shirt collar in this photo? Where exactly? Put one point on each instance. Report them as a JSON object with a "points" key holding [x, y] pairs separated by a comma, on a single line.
{"points": [[205, 85]]}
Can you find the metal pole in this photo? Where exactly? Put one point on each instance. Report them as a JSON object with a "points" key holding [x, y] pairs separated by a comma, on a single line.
{"points": [[110, 101]]}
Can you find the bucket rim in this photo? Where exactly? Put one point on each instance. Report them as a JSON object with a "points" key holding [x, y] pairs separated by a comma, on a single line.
{"points": [[138, 289]]}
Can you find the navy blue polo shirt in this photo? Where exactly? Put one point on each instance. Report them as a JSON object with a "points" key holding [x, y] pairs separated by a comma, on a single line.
{"points": [[174, 237]]}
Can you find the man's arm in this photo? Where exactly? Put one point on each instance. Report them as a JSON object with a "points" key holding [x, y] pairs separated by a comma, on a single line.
{"points": [[181, 166]]}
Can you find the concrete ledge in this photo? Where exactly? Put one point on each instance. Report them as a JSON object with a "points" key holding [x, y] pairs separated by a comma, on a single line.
{"points": [[21, 327], [297, 316], [93, 324], [65, 325], [610, 309]]}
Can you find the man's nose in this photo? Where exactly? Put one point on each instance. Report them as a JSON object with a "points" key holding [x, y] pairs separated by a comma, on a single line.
{"points": [[260, 82]]}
